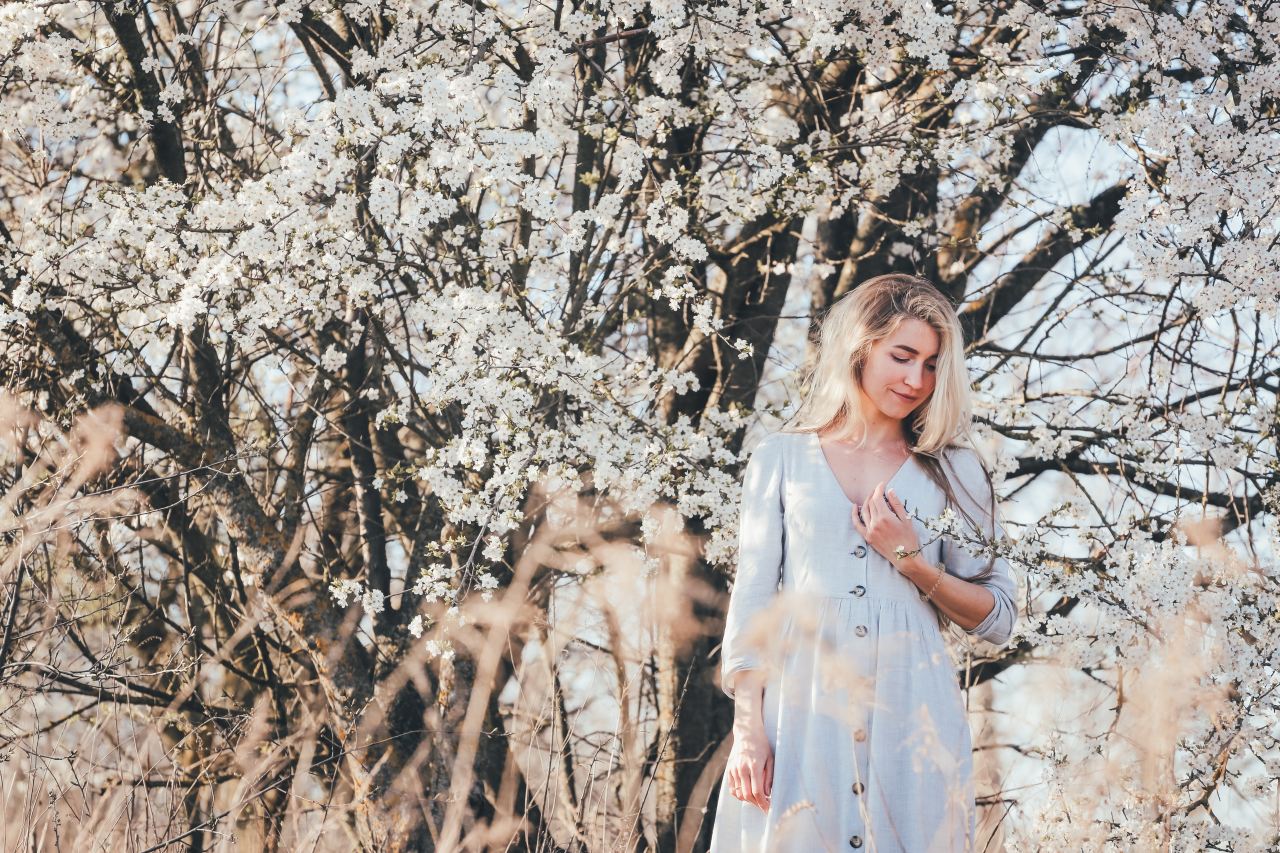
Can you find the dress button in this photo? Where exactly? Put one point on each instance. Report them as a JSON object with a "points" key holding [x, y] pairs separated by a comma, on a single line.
{"points": [[855, 841], [858, 787], [861, 630], [860, 551], [860, 735], [859, 590]]}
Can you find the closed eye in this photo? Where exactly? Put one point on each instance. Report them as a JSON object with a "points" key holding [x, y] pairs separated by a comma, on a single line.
{"points": [[931, 367]]}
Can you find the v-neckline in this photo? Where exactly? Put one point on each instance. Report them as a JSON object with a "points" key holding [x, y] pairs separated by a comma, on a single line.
{"points": [[822, 456]]}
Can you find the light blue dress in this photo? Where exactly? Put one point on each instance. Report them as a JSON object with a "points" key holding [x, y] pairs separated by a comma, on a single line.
{"points": [[862, 706]]}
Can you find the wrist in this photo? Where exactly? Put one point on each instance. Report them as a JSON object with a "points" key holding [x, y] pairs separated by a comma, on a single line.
{"points": [[748, 725], [917, 570]]}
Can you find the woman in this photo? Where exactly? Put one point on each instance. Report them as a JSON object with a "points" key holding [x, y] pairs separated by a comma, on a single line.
{"points": [[849, 727]]}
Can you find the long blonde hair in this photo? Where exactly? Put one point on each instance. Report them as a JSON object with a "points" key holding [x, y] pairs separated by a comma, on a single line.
{"points": [[869, 313], [830, 402]]}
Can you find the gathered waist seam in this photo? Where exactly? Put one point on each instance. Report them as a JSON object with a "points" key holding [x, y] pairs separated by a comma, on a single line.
{"points": [[869, 595]]}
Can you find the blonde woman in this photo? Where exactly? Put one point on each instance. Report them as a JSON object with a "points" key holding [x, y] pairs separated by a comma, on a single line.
{"points": [[849, 728]]}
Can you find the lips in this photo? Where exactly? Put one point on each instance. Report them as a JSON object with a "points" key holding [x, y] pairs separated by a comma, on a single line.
{"points": [[905, 397]]}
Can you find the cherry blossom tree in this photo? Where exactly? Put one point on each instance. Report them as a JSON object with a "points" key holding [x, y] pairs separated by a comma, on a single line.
{"points": [[360, 291]]}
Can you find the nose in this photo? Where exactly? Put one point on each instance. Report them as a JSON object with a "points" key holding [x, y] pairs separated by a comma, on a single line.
{"points": [[915, 376]]}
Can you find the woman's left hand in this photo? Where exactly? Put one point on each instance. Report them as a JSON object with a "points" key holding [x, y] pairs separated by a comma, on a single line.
{"points": [[885, 525]]}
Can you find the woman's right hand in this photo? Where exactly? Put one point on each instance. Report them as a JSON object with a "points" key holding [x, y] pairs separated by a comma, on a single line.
{"points": [[749, 773]]}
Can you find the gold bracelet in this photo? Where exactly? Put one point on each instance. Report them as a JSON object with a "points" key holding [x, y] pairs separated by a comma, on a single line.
{"points": [[941, 571]]}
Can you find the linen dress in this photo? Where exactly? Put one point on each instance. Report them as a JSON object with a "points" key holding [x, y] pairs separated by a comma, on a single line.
{"points": [[862, 707]]}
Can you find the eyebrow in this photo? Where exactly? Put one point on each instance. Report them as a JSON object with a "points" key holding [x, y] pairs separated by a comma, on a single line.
{"points": [[911, 350]]}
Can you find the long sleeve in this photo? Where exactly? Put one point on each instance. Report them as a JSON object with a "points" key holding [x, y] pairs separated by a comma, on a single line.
{"points": [[760, 553], [974, 494]]}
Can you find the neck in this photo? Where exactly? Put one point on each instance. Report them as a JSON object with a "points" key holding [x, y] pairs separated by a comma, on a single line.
{"points": [[882, 434]]}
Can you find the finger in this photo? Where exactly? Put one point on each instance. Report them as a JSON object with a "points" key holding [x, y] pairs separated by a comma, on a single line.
{"points": [[891, 503], [886, 510], [768, 778], [757, 787], [875, 503], [896, 504], [735, 785], [856, 514]]}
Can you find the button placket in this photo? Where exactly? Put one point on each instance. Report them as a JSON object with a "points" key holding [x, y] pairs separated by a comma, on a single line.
{"points": [[859, 735], [859, 554]]}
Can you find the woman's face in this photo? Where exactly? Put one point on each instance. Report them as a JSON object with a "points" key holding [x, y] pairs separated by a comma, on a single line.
{"points": [[899, 373]]}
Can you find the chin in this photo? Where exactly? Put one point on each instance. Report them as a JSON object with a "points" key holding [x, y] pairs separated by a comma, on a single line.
{"points": [[894, 409]]}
